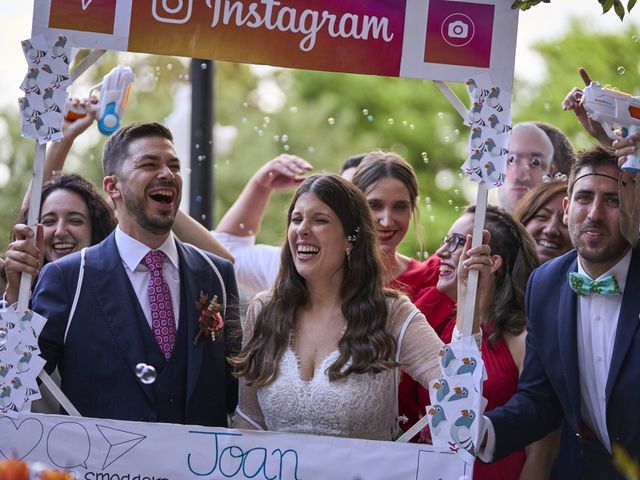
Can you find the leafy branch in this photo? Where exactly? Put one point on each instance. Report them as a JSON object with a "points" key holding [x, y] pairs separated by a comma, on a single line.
{"points": [[617, 5]]}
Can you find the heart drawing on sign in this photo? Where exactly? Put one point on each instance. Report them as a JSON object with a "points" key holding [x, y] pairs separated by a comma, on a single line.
{"points": [[26, 438]]}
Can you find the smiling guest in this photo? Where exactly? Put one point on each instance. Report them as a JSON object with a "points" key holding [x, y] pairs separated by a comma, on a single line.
{"points": [[541, 212], [73, 214], [136, 302], [530, 158], [502, 317]]}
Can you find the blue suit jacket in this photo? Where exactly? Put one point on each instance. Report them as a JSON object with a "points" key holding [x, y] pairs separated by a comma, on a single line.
{"points": [[106, 339], [549, 387]]}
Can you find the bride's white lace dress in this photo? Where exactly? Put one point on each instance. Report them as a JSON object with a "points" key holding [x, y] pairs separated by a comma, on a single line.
{"points": [[358, 406]]}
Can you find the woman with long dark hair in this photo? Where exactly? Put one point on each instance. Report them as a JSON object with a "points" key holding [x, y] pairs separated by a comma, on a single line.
{"points": [[502, 318], [321, 351]]}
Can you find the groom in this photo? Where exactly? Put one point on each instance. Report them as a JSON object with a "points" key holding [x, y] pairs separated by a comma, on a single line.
{"points": [[136, 295]]}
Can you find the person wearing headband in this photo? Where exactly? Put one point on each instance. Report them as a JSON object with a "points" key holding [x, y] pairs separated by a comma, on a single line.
{"points": [[583, 342]]}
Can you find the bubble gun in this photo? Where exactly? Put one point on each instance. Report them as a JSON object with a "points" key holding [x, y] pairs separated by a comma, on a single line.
{"points": [[614, 109], [114, 93]]}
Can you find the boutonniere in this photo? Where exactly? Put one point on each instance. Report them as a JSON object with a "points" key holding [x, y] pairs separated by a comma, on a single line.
{"points": [[210, 322]]}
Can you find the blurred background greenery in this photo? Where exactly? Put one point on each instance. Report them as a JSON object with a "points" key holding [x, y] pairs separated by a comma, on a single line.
{"points": [[326, 117]]}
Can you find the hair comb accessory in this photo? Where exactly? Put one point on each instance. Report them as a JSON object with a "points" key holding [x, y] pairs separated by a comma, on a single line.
{"points": [[354, 236]]}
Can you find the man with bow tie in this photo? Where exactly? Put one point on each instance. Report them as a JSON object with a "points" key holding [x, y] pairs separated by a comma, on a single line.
{"points": [[582, 362]]}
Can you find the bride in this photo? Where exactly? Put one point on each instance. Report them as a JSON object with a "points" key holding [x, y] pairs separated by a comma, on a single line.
{"points": [[321, 351]]}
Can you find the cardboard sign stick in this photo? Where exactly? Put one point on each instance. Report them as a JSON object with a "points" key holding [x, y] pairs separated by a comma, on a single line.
{"points": [[452, 97], [478, 221], [83, 66], [472, 283], [32, 219]]}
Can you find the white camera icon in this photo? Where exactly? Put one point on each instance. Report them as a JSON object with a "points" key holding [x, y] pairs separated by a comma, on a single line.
{"points": [[458, 29], [169, 14]]}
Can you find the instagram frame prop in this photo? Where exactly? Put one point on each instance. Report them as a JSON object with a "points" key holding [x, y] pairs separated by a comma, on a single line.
{"points": [[439, 40]]}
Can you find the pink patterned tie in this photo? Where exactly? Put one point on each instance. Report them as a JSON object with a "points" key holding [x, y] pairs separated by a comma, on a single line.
{"points": [[162, 321]]}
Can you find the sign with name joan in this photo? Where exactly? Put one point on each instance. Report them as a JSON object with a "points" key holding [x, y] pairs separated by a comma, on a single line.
{"points": [[433, 39], [98, 449]]}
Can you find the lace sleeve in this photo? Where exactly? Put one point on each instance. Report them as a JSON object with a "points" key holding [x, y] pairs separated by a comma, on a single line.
{"points": [[248, 414], [419, 346]]}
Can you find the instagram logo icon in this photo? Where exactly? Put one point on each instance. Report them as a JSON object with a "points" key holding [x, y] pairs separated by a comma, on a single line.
{"points": [[178, 14], [459, 33], [458, 30]]}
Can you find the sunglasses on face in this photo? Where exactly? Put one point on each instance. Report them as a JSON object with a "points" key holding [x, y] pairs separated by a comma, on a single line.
{"points": [[453, 242]]}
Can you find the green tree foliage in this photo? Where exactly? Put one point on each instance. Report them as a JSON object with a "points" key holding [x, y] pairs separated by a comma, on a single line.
{"points": [[610, 59], [617, 5]]}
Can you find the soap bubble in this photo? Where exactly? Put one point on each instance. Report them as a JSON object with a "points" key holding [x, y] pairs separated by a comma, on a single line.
{"points": [[293, 109], [203, 66], [425, 157], [621, 70], [146, 373], [285, 148], [391, 121], [284, 138], [169, 66], [440, 115], [365, 112], [370, 118], [3, 336], [331, 120]]}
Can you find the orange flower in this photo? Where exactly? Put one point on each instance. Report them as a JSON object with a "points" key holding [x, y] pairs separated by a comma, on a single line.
{"points": [[13, 469]]}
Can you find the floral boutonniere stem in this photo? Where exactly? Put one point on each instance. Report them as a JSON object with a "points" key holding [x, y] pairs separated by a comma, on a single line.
{"points": [[210, 322]]}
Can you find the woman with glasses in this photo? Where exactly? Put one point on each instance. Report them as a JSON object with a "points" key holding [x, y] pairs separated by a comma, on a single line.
{"points": [[502, 318]]}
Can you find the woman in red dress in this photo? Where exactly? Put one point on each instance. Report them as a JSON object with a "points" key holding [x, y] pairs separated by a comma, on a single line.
{"points": [[502, 317]]}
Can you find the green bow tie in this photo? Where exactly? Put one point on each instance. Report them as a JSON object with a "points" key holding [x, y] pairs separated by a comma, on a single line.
{"points": [[583, 285]]}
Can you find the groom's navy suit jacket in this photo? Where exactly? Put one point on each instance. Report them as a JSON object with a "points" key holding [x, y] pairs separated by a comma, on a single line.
{"points": [[109, 335], [549, 387]]}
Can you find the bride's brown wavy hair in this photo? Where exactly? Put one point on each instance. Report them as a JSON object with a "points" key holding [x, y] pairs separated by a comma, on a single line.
{"points": [[366, 345]]}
